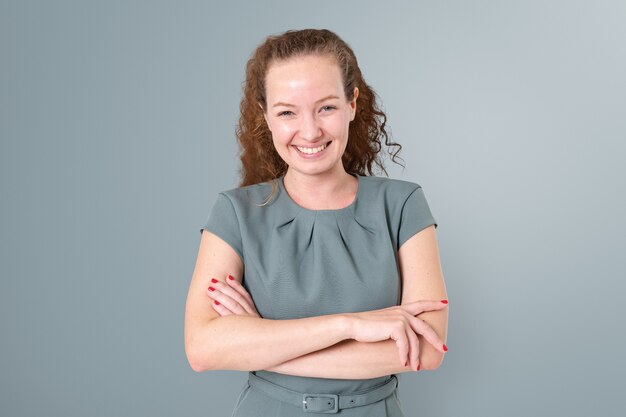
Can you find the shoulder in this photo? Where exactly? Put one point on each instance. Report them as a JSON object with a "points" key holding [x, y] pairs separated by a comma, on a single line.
{"points": [[254, 195], [388, 188]]}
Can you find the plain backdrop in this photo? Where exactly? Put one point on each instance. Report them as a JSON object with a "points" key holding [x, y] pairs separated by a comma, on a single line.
{"points": [[117, 132]]}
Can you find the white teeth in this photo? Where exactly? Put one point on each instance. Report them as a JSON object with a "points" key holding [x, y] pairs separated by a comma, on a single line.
{"points": [[310, 151]]}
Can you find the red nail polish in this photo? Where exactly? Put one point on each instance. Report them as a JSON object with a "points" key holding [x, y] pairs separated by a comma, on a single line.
{"points": [[217, 302], [213, 280], [211, 289], [231, 277], [445, 348], [444, 301]]}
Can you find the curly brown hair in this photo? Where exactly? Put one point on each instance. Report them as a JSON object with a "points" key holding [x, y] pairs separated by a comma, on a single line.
{"points": [[259, 159]]}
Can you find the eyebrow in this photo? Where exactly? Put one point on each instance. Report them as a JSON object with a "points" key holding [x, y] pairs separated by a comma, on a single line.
{"points": [[280, 103]]}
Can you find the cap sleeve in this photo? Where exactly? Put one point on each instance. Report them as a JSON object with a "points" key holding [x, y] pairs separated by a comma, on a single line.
{"points": [[223, 222], [415, 216]]}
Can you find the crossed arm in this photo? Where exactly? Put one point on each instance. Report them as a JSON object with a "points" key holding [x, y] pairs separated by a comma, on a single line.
{"points": [[315, 346]]}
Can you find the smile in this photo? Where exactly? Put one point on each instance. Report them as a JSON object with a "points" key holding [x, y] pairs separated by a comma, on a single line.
{"points": [[311, 151]]}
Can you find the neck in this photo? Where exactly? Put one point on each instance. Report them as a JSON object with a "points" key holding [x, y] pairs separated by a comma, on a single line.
{"points": [[321, 192]]}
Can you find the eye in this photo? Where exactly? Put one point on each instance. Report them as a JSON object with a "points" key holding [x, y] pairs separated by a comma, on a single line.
{"points": [[285, 113], [328, 108]]}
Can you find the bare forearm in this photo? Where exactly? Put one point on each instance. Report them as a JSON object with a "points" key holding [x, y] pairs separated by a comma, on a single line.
{"points": [[247, 343], [350, 359]]}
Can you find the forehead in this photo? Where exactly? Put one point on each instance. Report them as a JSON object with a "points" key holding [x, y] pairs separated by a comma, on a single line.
{"points": [[303, 77]]}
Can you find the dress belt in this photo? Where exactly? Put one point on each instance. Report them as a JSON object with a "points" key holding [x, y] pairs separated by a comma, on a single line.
{"points": [[323, 403]]}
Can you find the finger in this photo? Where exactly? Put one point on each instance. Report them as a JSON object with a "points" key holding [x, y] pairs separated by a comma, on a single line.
{"points": [[236, 285], [418, 307], [235, 302], [414, 354], [234, 290], [243, 302], [423, 328], [399, 335], [220, 309], [225, 300]]}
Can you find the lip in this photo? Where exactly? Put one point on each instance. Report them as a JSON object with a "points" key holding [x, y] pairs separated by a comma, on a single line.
{"points": [[312, 156]]}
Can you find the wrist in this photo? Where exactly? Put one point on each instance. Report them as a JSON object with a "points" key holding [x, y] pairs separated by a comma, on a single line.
{"points": [[345, 325]]}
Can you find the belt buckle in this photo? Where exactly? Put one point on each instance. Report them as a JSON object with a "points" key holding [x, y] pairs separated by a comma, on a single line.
{"points": [[305, 403]]}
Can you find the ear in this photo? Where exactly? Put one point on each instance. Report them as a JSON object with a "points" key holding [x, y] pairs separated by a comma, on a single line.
{"points": [[353, 103]]}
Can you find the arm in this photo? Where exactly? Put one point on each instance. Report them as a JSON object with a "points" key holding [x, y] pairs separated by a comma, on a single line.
{"points": [[422, 279], [348, 359], [243, 342]]}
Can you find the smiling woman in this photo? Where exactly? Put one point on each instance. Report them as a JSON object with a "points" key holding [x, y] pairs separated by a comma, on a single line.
{"points": [[309, 117], [333, 285], [260, 160], [308, 114]]}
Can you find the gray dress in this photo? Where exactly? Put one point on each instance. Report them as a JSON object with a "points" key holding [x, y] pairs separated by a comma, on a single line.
{"points": [[301, 263]]}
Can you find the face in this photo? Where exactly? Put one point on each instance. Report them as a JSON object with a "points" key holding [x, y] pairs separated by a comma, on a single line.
{"points": [[308, 114]]}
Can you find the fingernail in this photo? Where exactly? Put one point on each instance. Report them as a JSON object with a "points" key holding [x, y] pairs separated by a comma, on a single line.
{"points": [[216, 302], [231, 277], [444, 301], [445, 348], [211, 289], [213, 280]]}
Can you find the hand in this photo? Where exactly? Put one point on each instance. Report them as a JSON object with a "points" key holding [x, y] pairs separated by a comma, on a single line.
{"points": [[232, 298], [400, 324]]}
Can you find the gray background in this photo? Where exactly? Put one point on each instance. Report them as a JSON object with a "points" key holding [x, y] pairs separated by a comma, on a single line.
{"points": [[117, 124]]}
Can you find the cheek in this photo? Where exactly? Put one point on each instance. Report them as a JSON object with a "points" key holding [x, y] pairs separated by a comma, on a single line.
{"points": [[283, 131], [280, 141], [343, 124]]}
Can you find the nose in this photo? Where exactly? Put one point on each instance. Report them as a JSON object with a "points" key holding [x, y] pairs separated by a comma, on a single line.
{"points": [[310, 128]]}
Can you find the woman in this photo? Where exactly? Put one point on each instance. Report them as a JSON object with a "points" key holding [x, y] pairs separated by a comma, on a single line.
{"points": [[311, 274]]}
